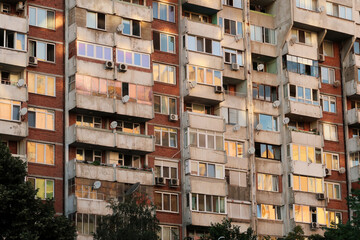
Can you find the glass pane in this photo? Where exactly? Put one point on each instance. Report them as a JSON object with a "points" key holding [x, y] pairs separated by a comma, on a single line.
{"points": [[211, 170], [40, 185], [50, 86], [41, 51], [49, 154], [91, 20], [163, 43], [49, 189], [41, 17], [40, 148]]}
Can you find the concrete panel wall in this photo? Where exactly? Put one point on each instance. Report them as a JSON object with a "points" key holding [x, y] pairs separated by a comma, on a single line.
{"points": [[207, 155], [13, 23], [14, 93], [204, 121], [206, 185], [15, 129]]}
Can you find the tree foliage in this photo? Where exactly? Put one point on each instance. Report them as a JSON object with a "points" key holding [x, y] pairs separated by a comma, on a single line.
{"points": [[22, 215], [226, 230], [134, 219]]}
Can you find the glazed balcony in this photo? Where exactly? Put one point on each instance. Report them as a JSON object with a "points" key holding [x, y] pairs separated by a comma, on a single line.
{"points": [[305, 138], [107, 139], [14, 129], [12, 92], [203, 121]]}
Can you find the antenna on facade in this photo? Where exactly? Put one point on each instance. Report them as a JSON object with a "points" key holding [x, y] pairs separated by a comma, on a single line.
{"points": [[132, 189]]}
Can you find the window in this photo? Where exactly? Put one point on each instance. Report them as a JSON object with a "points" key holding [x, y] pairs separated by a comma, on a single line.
{"points": [[306, 154], [207, 203], [327, 75], [357, 46], [128, 127], [42, 51], [354, 159], [265, 92], [166, 202], [307, 184], [164, 104], [164, 42], [94, 51], [262, 34], [41, 84], [131, 27], [268, 151], [41, 118], [86, 192], [233, 3], [309, 214], [234, 116], [301, 36], [198, 108], [5, 8], [41, 153], [206, 169], [9, 110], [197, 17], [331, 160], [136, 59], [88, 121], [233, 56], [332, 218], [86, 224], [328, 48], [328, 104], [204, 139], [355, 132], [234, 149], [200, 44], [330, 132], [45, 187], [337, 10], [271, 212], [169, 233], [166, 170], [267, 122], [268, 182], [204, 75], [166, 137], [95, 20], [88, 155], [41, 18], [13, 40], [303, 94], [9, 78], [138, 2], [307, 4], [164, 11], [124, 160], [301, 65], [164, 73], [232, 27], [333, 190]]}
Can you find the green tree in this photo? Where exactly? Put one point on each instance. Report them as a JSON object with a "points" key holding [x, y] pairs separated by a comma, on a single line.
{"points": [[226, 230], [296, 234], [22, 215], [134, 219]]}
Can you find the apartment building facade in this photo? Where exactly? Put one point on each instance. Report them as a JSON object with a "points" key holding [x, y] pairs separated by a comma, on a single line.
{"points": [[223, 108]]}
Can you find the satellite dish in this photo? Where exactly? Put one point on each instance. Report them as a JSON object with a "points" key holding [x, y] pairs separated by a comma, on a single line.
{"points": [[20, 83], [125, 98], [192, 84], [251, 150], [23, 111], [237, 37], [286, 120], [260, 67], [236, 127], [120, 27], [259, 127], [113, 124], [96, 185], [132, 189], [276, 104], [342, 170]]}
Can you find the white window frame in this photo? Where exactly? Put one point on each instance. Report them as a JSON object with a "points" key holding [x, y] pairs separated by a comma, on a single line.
{"points": [[162, 202], [205, 73], [309, 217], [82, 232], [308, 183], [307, 153], [168, 103], [142, 55], [354, 159], [207, 134], [172, 233], [47, 113], [95, 46], [306, 4], [303, 99], [330, 72], [332, 128], [329, 100], [169, 166], [238, 56], [296, 33], [136, 128], [167, 11], [254, 37], [167, 70], [15, 39], [46, 50], [274, 122], [94, 123], [36, 17], [190, 162], [168, 37], [160, 130], [95, 156], [12, 105], [204, 44], [328, 217], [227, 3], [131, 22], [45, 187], [237, 144], [275, 179], [212, 203], [332, 185], [36, 152], [330, 10], [277, 210], [96, 20], [46, 84], [335, 161]]}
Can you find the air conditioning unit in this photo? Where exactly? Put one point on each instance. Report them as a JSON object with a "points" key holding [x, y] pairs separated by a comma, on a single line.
{"points": [[109, 65], [33, 61], [20, 7], [160, 181], [235, 67], [336, 83], [173, 117], [320, 196], [219, 89], [321, 57], [122, 67], [174, 182], [327, 172], [314, 225]]}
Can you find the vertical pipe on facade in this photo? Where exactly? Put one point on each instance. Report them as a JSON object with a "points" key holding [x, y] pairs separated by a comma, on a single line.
{"points": [[66, 113]]}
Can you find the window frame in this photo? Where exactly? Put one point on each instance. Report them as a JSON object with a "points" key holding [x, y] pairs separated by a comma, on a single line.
{"points": [[205, 72], [82, 123], [46, 180], [292, 145], [190, 162], [274, 180], [33, 54], [46, 19], [308, 180], [213, 50], [35, 83], [162, 201], [330, 127], [327, 184], [212, 197], [12, 104], [207, 134], [36, 153], [168, 98], [278, 211], [330, 75], [168, 6], [94, 155], [32, 110], [131, 25], [167, 130], [168, 73], [237, 144], [143, 58], [6, 31], [330, 100]]}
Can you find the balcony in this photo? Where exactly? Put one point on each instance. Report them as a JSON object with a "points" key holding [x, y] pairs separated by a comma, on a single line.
{"points": [[272, 198], [202, 6], [352, 89], [303, 80], [207, 30], [107, 139], [91, 206], [303, 111], [355, 173], [353, 144], [14, 58], [203, 59], [13, 22], [305, 138], [353, 117], [269, 137], [265, 49], [13, 129], [206, 185], [269, 166], [232, 74], [204, 121], [264, 78], [270, 227], [308, 198], [85, 102], [237, 163], [204, 154], [261, 106], [205, 219], [307, 169], [202, 94], [262, 19], [15, 93]]}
